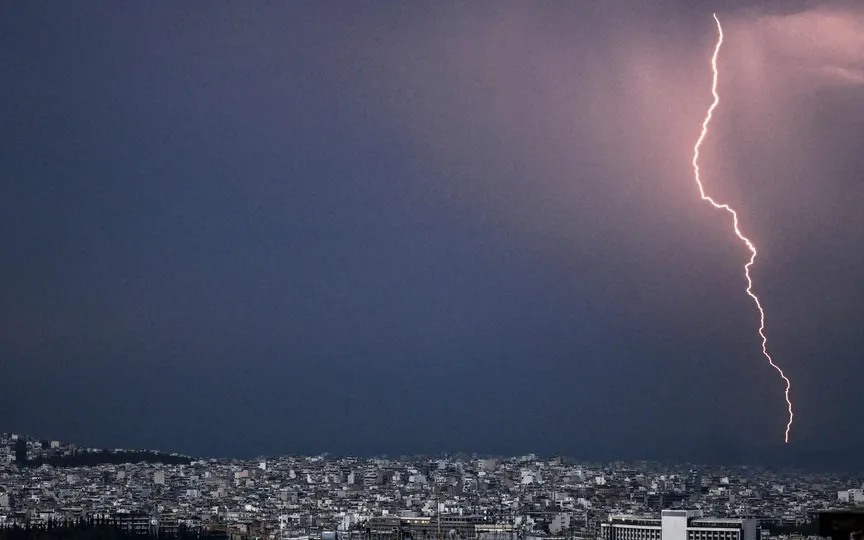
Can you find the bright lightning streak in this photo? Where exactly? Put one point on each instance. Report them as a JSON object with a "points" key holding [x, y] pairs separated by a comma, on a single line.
{"points": [[734, 214]]}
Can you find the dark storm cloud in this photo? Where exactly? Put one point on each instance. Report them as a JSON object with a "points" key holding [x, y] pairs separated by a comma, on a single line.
{"points": [[627, 100], [437, 228]]}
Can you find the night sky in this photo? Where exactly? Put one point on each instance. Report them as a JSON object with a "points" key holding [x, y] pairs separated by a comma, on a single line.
{"points": [[242, 228]]}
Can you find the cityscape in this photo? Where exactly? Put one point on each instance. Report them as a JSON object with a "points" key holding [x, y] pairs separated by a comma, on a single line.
{"points": [[445, 270], [458, 496]]}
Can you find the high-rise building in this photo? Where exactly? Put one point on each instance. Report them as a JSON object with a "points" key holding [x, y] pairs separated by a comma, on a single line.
{"points": [[21, 451], [693, 484], [677, 525]]}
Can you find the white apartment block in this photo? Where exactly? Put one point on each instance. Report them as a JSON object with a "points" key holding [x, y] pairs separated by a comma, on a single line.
{"points": [[851, 496], [677, 525]]}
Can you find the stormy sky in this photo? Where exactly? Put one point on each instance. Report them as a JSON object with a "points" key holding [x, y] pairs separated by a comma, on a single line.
{"points": [[257, 228]]}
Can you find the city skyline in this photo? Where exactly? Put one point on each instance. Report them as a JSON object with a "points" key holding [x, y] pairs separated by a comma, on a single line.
{"points": [[525, 497], [812, 460]]}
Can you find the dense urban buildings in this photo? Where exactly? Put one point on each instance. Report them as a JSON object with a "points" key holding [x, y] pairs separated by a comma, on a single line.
{"points": [[417, 498]]}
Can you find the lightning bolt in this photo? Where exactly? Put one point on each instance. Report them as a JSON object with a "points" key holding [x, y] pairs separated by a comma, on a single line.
{"points": [[734, 215]]}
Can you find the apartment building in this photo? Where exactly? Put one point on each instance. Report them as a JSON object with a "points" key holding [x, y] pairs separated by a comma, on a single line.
{"points": [[677, 525]]}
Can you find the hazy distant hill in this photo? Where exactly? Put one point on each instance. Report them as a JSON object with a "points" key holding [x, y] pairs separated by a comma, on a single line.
{"points": [[33, 453], [100, 457]]}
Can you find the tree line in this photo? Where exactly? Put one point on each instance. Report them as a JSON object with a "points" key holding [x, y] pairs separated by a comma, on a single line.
{"points": [[101, 457], [94, 529]]}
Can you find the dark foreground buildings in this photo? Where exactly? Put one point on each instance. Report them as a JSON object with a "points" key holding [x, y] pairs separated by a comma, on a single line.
{"points": [[842, 524]]}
